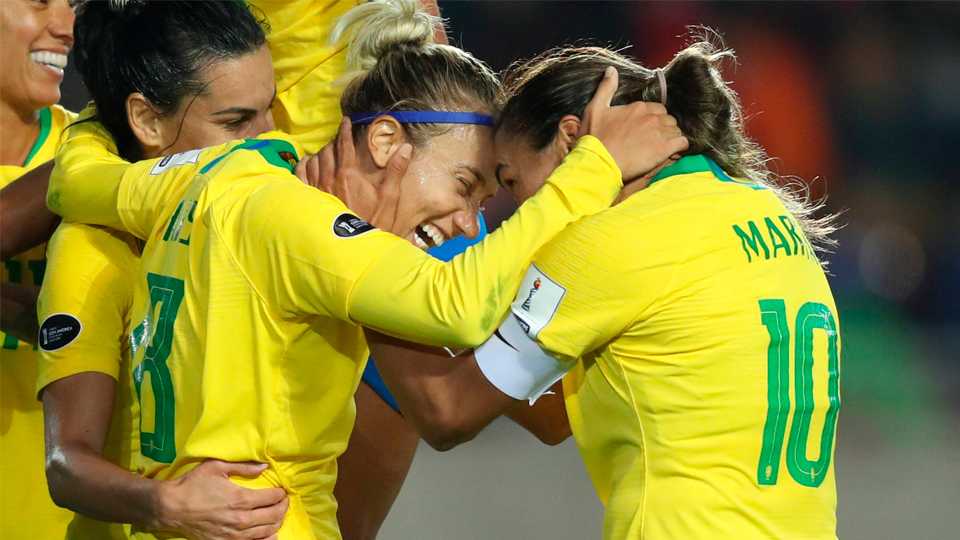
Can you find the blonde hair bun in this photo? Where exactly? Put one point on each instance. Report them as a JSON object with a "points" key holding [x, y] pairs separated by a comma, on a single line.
{"points": [[377, 27]]}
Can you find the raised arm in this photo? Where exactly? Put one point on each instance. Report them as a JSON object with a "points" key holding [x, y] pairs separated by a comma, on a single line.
{"points": [[461, 302], [84, 183], [322, 259], [93, 185]]}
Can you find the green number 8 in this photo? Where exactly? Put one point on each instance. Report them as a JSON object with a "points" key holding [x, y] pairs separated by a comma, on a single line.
{"points": [[167, 293]]}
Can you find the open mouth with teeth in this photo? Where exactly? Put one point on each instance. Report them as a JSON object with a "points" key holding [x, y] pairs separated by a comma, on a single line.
{"points": [[426, 236], [56, 62]]}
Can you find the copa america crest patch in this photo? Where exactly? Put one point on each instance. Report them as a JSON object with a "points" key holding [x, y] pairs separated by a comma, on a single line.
{"points": [[58, 331]]}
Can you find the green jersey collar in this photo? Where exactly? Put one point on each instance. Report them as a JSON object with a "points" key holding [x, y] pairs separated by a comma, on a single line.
{"points": [[686, 165], [698, 163], [46, 118]]}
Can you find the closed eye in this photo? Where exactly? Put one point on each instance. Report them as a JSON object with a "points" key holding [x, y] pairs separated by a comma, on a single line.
{"points": [[237, 123], [467, 184]]}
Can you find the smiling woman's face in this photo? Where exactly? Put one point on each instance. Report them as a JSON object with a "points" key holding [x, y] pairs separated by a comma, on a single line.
{"points": [[449, 178], [235, 104], [35, 37]]}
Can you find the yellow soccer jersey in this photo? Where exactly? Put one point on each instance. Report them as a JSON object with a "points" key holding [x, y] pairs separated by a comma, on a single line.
{"points": [[308, 67], [705, 392], [26, 510], [248, 347], [84, 313]]}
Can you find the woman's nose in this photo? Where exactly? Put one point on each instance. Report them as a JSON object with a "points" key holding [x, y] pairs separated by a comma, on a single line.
{"points": [[467, 224], [60, 23]]}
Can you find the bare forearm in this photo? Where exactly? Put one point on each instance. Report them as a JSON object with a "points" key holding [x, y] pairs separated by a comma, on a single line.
{"points": [[25, 221], [546, 419], [84, 481], [77, 412], [18, 312], [446, 399], [204, 503]]}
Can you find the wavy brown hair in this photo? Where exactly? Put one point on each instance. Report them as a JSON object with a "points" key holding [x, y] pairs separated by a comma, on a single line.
{"points": [[541, 91]]}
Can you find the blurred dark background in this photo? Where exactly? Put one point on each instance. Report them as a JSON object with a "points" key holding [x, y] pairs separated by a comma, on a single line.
{"points": [[859, 100]]}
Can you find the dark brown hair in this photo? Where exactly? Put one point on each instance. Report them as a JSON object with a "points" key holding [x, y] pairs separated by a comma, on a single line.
{"points": [[158, 49]]}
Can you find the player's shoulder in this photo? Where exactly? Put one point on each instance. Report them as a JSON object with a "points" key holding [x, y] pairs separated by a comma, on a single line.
{"points": [[83, 129], [271, 152], [53, 121], [278, 206], [61, 117], [78, 245]]}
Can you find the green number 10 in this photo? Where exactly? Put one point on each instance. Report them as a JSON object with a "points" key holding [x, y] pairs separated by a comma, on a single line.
{"points": [[811, 317], [167, 293]]}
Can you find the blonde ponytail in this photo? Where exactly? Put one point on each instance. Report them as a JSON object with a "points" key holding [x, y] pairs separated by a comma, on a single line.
{"points": [[397, 67], [376, 28]]}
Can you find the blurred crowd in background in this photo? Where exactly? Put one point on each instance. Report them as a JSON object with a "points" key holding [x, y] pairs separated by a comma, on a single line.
{"points": [[861, 102]]}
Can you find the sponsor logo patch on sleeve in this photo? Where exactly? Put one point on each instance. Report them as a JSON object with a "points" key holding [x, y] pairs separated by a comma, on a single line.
{"points": [[537, 301], [58, 331], [348, 225]]}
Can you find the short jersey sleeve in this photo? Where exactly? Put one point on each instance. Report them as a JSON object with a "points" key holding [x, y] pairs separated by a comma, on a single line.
{"points": [[84, 304], [576, 296]]}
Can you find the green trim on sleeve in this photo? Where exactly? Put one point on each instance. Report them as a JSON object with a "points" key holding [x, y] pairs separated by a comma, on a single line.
{"points": [[46, 119], [276, 152]]}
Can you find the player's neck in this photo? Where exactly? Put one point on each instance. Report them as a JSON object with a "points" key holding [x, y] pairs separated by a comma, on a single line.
{"points": [[633, 185], [369, 169], [19, 133]]}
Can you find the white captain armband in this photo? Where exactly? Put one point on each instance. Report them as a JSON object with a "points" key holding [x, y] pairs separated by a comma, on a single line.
{"points": [[514, 362]]}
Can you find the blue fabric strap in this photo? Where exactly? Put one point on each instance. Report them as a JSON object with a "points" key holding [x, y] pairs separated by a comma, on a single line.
{"points": [[426, 117]]}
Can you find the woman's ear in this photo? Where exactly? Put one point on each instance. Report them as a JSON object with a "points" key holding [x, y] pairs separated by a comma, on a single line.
{"points": [[145, 122], [384, 137], [566, 137]]}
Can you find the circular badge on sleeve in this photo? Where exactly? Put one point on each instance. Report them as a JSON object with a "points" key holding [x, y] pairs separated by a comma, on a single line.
{"points": [[58, 331], [347, 225]]}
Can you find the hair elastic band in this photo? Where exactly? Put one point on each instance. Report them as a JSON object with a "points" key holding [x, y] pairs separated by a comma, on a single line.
{"points": [[663, 86], [426, 117]]}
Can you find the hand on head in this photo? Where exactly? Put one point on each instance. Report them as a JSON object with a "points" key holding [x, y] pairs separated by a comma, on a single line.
{"points": [[335, 171], [639, 135]]}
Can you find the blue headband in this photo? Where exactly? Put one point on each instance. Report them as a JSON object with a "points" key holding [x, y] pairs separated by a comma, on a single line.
{"points": [[426, 117]]}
